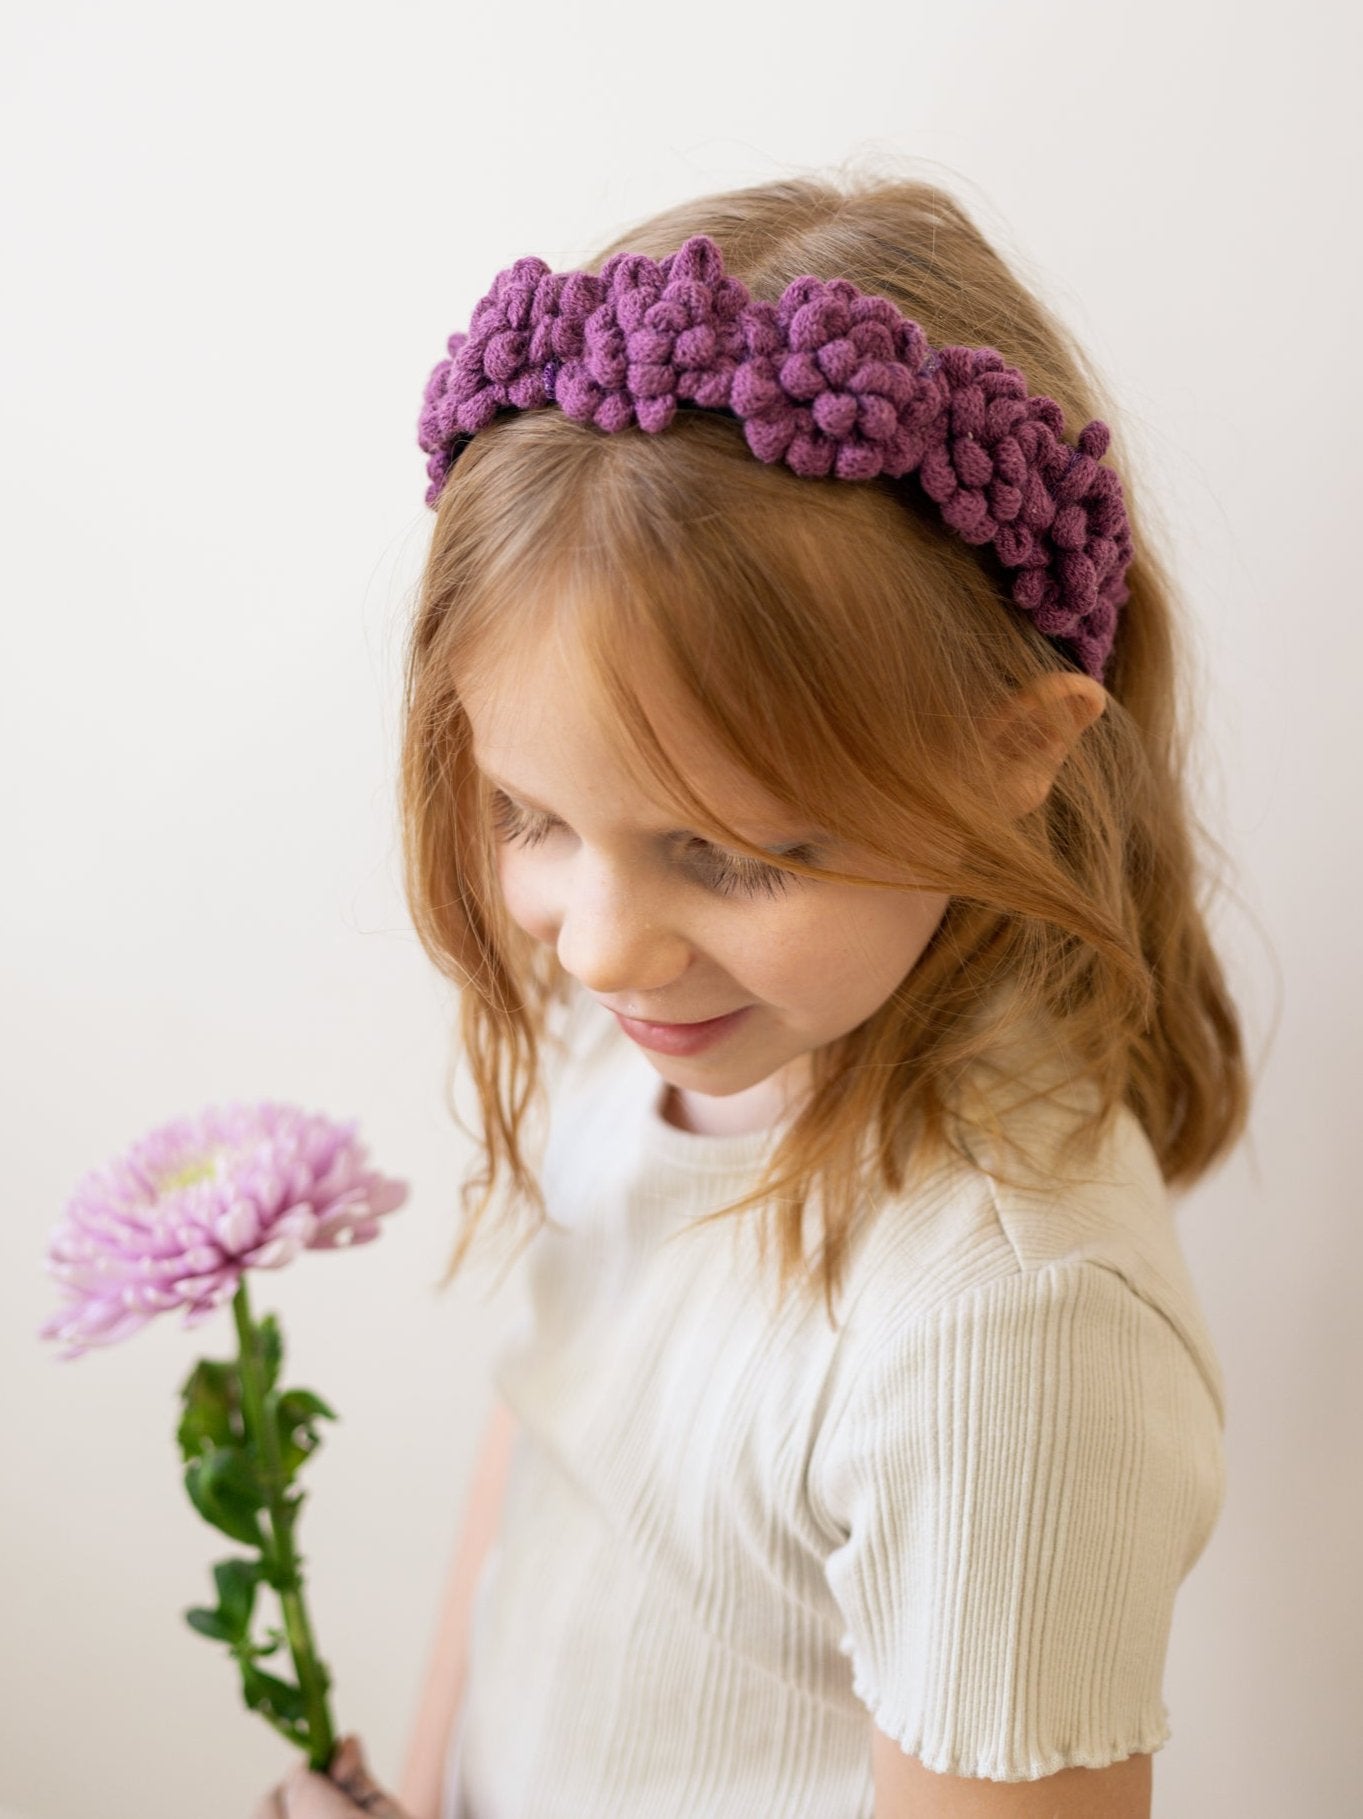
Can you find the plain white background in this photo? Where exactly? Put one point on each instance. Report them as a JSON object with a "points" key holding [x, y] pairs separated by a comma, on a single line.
{"points": [[236, 240]]}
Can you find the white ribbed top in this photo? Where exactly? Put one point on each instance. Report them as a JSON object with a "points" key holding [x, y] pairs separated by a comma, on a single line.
{"points": [[732, 1540]]}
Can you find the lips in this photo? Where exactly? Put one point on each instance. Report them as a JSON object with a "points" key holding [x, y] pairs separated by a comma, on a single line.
{"points": [[681, 1038], [681, 1023]]}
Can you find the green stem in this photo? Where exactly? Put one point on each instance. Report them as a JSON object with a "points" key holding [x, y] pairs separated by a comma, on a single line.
{"points": [[264, 1435]]}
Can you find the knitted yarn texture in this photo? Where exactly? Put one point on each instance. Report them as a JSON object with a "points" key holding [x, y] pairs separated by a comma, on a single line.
{"points": [[832, 380]]}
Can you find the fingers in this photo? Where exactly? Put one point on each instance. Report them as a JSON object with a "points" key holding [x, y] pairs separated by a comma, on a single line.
{"points": [[306, 1795], [303, 1795], [350, 1773], [346, 1789]]}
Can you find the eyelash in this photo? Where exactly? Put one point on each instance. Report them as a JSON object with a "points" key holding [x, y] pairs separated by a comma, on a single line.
{"points": [[738, 876]]}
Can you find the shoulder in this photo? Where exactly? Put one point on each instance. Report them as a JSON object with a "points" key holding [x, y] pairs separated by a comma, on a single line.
{"points": [[1059, 1369], [962, 1244], [1001, 1334], [1115, 1214]]}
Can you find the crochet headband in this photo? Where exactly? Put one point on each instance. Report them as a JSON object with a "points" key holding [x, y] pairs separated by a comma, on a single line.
{"points": [[831, 380]]}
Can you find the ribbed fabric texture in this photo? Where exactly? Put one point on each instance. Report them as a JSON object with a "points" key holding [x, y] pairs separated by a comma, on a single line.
{"points": [[734, 1539]]}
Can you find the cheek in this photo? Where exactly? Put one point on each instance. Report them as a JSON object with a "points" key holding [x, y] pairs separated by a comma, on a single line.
{"points": [[523, 894], [856, 949], [898, 927], [914, 919]]}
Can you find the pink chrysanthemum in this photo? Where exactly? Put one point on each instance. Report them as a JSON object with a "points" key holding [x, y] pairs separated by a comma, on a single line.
{"points": [[176, 1220]]}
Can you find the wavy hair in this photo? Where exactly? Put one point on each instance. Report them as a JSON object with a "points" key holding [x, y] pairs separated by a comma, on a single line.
{"points": [[847, 650]]}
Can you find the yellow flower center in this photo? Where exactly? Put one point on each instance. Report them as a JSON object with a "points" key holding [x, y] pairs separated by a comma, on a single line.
{"points": [[201, 1170]]}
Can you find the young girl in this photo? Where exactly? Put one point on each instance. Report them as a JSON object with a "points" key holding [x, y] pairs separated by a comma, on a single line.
{"points": [[793, 785]]}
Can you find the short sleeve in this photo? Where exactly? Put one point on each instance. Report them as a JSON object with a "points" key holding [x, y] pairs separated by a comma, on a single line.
{"points": [[1019, 1481]]}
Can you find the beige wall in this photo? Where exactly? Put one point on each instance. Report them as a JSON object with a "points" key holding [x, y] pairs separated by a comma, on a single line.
{"points": [[236, 244]]}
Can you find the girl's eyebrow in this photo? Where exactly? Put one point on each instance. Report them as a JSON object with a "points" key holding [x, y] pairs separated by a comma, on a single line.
{"points": [[678, 833]]}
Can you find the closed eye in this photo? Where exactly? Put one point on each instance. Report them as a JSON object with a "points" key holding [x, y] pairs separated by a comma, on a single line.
{"points": [[727, 874]]}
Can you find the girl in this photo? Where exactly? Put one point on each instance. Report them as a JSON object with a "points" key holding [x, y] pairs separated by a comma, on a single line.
{"points": [[793, 784]]}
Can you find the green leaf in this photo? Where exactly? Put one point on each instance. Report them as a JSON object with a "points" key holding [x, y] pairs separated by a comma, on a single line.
{"points": [[294, 1414], [236, 1581], [307, 1405], [235, 1474], [225, 1488], [266, 1693], [207, 1623], [212, 1409]]}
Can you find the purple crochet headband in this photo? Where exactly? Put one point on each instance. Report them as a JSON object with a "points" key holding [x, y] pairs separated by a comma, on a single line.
{"points": [[829, 379]]}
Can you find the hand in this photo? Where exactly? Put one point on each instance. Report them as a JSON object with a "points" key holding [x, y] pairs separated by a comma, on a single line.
{"points": [[347, 1788]]}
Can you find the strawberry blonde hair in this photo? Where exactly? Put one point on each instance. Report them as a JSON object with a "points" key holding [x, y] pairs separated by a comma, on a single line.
{"points": [[846, 649]]}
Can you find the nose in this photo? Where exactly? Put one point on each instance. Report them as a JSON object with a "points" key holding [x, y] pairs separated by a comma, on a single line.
{"points": [[617, 938]]}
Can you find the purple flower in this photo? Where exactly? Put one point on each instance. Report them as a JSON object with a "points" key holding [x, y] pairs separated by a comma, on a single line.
{"points": [[178, 1219]]}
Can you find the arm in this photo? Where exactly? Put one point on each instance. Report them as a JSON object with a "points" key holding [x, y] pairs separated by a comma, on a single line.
{"points": [[904, 1789], [419, 1789]]}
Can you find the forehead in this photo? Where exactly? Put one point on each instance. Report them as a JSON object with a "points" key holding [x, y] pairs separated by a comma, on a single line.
{"points": [[542, 727]]}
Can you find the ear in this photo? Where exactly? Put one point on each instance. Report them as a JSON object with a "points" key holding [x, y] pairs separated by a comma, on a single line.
{"points": [[1035, 732]]}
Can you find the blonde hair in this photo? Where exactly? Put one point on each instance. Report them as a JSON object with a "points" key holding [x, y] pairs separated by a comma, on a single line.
{"points": [[845, 648]]}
